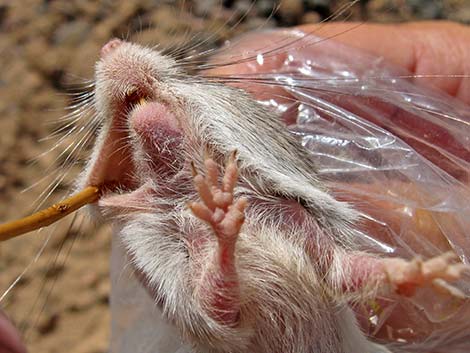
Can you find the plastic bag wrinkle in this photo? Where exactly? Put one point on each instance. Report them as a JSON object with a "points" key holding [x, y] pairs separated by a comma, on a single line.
{"points": [[398, 151]]}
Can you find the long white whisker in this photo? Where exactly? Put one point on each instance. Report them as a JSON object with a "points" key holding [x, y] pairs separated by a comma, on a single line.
{"points": [[66, 164], [290, 43]]}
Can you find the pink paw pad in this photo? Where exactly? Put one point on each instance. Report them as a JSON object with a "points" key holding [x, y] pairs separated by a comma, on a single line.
{"points": [[110, 46]]}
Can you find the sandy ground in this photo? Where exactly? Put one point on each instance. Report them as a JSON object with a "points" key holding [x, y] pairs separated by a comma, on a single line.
{"points": [[47, 49]]}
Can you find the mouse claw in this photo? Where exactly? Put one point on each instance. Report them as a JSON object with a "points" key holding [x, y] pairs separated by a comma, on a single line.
{"points": [[193, 169]]}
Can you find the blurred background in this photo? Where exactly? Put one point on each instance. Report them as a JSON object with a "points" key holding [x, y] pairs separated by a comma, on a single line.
{"points": [[47, 52]]}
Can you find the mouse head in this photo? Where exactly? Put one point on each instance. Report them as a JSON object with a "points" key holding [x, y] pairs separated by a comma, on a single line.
{"points": [[140, 116], [127, 73]]}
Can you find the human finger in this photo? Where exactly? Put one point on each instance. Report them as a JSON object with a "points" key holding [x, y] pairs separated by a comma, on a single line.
{"points": [[10, 341], [436, 50]]}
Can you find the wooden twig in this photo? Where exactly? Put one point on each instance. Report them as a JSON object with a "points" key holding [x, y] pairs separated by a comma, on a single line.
{"points": [[49, 215]]}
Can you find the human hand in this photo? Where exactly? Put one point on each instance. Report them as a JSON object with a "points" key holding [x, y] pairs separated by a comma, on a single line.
{"points": [[434, 53], [428, 53], [10, 341], [434, 48]]}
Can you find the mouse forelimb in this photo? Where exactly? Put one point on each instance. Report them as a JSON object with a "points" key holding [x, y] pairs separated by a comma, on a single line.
{"points": [[218, 288]]}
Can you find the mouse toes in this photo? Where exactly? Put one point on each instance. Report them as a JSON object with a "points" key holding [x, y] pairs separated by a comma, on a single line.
{"points": [[444, 267], [218, 288], [407, 276], [217, 206]]}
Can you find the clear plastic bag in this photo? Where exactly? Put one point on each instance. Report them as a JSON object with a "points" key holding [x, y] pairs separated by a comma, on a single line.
{"points": [[398, 151]]}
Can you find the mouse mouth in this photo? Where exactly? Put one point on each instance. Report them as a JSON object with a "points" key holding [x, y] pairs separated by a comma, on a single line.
{"points": [[113, 168]]}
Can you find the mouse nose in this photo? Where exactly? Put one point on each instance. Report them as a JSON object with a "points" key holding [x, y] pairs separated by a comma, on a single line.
{"points": [[110, 46]]}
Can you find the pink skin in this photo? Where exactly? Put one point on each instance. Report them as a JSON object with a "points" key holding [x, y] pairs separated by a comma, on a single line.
{"points": [[154, 123], [405, 277], [110, 46], [10, 341]]}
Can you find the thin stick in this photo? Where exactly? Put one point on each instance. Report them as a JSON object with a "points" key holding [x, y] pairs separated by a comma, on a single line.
{"points": [[49, 215]]}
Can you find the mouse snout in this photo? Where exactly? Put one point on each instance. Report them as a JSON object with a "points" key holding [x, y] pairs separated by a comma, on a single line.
{"points": [[110, 46]]}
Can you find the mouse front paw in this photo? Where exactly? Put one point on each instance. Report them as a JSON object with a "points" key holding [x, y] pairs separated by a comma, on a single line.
{"points": [[218, 288], [406, 276], [217, 206]]}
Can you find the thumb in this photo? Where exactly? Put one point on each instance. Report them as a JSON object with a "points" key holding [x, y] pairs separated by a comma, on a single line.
{"points": [[423, 48], [10, 341]]}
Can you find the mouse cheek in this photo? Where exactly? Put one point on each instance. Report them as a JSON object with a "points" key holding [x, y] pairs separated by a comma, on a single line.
{"points": [[157, 130]]}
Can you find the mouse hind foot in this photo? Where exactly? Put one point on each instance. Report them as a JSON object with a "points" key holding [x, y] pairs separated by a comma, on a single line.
{"points": [[407, 276]]}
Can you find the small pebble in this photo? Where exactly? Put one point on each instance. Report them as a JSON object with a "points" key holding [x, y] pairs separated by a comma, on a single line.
{"points": [[72, 33], [291, 11], [255, 23], [315, 4], [265, 7], [429, 10], [311, 17], [203, 8], [461, 16], [47, 324]]}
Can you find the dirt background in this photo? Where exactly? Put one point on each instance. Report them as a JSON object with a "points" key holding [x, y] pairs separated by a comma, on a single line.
{"points": [[47, 50]]}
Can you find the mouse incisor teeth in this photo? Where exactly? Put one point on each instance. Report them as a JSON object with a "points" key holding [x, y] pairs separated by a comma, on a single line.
{"points": [[142, 101]]}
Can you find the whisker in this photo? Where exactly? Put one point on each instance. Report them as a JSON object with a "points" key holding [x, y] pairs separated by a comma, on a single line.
{"points": [[290, 42], [278, 47], [67, 165], [77, 130], [51, 267], [92, 125], [201, 56], [30, 264], [73, 124], [217, 31]]}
